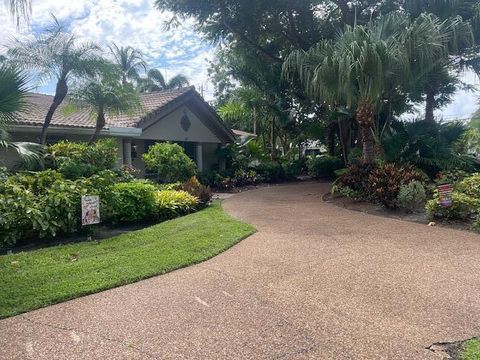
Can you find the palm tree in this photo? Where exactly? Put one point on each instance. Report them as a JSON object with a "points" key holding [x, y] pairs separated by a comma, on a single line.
{"points": [[55, 54], [20, 9], [106, 94], [13, 93], [364, 63], [129, 60], [155, 81]]}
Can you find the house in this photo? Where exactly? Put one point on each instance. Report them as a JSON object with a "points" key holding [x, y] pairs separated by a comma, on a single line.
{"points": [[180, 115]]}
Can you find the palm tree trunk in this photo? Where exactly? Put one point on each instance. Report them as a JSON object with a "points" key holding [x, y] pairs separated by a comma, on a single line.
{"points": [[98, 127], [430, 107], [368, 144], [365, 121], [330, 138], [60, 94]]}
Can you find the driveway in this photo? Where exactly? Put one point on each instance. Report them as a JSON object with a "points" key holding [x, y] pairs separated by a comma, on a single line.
{"points": [[316, 282]]}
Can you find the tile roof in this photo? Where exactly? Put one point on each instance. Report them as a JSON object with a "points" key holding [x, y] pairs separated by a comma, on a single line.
{"points": [[82, 118]]}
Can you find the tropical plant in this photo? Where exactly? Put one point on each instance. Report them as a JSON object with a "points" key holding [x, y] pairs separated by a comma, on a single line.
{"points": [[169, 162], [106, 94], [129, 60], [411, 196], [431, 147], [75, 159], [155, 81], [324, 166], [13, 100], [55, 54], [367, 64]]}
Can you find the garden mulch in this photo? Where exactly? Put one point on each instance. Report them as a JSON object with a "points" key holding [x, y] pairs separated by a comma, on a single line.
{"points": [[316, 281]]}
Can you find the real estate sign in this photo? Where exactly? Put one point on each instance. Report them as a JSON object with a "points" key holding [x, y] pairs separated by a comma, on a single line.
{"points": [[445, 195], [90, 209]]}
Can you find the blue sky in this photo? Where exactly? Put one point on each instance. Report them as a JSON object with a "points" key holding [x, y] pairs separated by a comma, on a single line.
{"points": [[137, 23]]}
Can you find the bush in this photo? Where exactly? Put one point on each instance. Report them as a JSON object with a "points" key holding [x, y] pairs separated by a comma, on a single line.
{"points": [[77, 159], [378, 183], [356, 179], [411, 196], [463, 207], [451, 177], [201, 192], [323, 166], [170, 204], [384, 182], [133, 201], [271, 171], [470, 186], [169, 162]]}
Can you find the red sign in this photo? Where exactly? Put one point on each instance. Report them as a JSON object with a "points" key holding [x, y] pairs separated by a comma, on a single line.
{"points": [[445, 195]]}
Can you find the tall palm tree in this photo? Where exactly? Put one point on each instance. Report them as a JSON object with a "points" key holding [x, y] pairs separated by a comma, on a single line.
{"points": [[358, 68], [129, 60], [20, 9], [106, 94], [13, 93], [55, 54], [155, 81]]}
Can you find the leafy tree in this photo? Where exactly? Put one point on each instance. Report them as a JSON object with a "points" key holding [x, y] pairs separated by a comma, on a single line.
{"points": [[155, 81], [55, 54], [106, 94], [13, 100], [129, 60]]}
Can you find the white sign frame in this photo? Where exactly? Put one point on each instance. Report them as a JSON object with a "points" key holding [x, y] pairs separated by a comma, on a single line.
{"points": [[90, 210]]}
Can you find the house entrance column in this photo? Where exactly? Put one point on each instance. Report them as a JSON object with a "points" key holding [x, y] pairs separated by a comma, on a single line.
{"points": [[127, 151], [199, 156]]}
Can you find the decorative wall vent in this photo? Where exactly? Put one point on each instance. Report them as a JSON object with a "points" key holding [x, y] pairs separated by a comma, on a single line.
{"points": [[185, 122]]}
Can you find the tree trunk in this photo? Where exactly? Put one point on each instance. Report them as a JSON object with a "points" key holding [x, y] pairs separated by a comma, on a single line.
{"points": [[345, 135], [60, 94], [365, 122], [98, 127], [430, 107], [273, 154], [330, 138], [368, 145]]}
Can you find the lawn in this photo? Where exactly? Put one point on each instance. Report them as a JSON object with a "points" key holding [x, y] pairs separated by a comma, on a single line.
{"points": [[35, 279], [471, 350]]}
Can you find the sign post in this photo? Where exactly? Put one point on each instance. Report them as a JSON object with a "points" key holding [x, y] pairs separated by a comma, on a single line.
{"points": [[90, 212]]}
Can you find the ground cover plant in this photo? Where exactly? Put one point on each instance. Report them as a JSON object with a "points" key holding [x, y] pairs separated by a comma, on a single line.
{"points": [[29, 280]]}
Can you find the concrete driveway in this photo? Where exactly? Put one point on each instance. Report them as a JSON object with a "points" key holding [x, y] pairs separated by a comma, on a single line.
{"points": [[315, 282]]}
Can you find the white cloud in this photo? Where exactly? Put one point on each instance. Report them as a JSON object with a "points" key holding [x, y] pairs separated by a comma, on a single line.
{"points": [[127, 22]]}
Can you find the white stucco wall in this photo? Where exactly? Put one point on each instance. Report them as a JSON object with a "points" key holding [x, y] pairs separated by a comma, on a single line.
{"points": [[169, 129]]}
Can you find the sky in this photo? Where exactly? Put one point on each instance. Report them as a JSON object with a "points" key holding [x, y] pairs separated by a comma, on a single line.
{"points": [[138, 24]]}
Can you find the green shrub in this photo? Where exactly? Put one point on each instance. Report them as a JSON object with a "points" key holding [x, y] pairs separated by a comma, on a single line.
{"points": [[132, 201], [476, 223], [451, 176], [4, 173], [323, 166], [201, 192], [169, 162], [411, 196], [271, 172], [172, 203], [470, 186], [295, 168], [463, 207], [77, 159]]}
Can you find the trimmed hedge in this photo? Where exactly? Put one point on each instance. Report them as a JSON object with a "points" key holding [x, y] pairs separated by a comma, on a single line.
{"points": [[35, 205]]}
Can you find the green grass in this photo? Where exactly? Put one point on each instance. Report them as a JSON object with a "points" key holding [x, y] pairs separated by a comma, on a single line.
{"points": [[35, 279], [471, 350]]}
